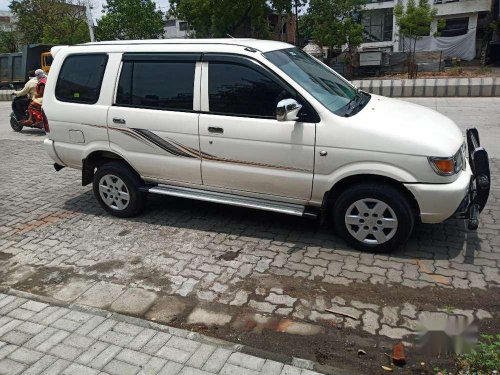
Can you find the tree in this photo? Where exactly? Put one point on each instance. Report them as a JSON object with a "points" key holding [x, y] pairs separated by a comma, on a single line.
{"points": [[334, 23], [414, 22], [51, 21], [9, 41], [130, 19], [220, 18]]}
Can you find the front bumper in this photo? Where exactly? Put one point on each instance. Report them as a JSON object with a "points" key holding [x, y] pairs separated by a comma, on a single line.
{"points": [[479, 187], [465, 197]]}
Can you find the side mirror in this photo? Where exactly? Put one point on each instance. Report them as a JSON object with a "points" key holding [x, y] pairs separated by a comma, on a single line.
{"points": [[288, 110]]}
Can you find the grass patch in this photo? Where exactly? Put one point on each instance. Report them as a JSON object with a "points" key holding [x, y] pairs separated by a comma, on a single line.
{"points": [[484, 359]]}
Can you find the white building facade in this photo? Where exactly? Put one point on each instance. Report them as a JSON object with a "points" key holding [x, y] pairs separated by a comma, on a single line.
{"points": [[381, 31], [175, 28]]}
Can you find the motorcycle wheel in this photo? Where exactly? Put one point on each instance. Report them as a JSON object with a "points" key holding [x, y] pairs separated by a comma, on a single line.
{"points": [[14, 124]]}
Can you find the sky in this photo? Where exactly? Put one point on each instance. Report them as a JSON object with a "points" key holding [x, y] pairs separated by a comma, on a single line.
{"points": [[96, 6]]}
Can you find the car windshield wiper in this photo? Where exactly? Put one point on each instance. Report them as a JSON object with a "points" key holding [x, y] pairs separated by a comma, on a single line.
{"points": [[354, 103]]}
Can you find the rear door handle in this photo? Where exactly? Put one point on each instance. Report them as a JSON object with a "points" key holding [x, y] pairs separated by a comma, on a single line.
{"points": [[118, 120], [215, 129]]}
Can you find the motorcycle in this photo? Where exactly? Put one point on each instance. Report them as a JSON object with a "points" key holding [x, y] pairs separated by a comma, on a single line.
{"points": [[18, 120]]}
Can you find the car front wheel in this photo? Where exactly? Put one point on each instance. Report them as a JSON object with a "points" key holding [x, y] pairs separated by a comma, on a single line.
{"points": [[373, 217]]}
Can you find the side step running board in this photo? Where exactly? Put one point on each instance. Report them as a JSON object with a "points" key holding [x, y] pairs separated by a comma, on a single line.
{"points": [[234, 200]]}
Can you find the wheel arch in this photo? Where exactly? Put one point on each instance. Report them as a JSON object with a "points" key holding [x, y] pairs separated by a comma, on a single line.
{"points": [[346, 182], [97, 158]]}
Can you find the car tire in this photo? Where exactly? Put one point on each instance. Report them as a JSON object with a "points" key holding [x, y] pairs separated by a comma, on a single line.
{"points": [[14, 124], [116, 188], [373, 217]]}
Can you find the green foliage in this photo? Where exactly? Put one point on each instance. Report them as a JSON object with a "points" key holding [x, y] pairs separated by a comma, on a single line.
{"points": [[485, 358], [415, 21], [9, 41], [50, 21], [335, 22], [130, 19], [220, 18]]}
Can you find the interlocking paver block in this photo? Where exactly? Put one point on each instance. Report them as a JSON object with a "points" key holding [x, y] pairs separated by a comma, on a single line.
{"points": [[133, 357], [7, 327], [30, 328], [26, 356], [116, 367], [41, 365], [105, 356], [10, 367], [34, 306], [173, 354], [16, 337], [171, 368], [156, 343], [200, 356], [271, 368], [217, 360], [93, 351], [67, 352], [183, 344], [77, 369], [247, 361], [141, 339], [229, 369], [57, 367], [52, 341]]}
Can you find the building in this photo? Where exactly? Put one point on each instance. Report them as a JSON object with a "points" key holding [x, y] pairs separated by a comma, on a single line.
{"points": [[6, 20], [282, 27], [460, 17], [175, 28]]}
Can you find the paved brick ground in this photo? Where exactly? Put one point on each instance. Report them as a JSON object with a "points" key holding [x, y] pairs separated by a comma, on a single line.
{"points": [[198, 263], [37, 338]]}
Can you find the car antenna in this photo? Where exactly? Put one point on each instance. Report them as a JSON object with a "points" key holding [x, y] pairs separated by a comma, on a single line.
{"points": [[229, 35]]}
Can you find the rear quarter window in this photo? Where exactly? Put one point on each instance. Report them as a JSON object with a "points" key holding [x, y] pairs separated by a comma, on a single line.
{"points": [[80, 78]]}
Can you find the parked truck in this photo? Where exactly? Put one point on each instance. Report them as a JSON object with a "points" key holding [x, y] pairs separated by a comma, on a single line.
{"points": [[14, 67]]}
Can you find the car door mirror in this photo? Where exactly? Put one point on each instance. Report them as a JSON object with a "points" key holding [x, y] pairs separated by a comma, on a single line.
{"points": [[288, 110]]}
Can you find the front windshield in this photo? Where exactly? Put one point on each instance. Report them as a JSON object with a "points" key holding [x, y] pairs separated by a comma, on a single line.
{"points": [[324, 85]]}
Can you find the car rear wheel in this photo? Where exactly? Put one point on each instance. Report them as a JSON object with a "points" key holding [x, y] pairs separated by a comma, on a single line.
{"points": [[373, 217], [116, 187]]}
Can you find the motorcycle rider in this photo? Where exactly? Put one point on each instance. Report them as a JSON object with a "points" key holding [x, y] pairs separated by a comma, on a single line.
{"points": [[24, 96], [35, 106]]}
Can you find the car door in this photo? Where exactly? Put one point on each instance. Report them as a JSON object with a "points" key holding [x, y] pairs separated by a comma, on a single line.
{"points": [[153, 122], [243, 146]]}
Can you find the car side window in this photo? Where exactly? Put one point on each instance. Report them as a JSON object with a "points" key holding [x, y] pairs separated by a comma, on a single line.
{"points": [[157, 84], [80, 78], [240, 90]]}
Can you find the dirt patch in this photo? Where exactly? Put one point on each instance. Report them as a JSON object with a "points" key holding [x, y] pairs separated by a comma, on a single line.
{"points": [[45, 279], [229, 255], [106, 266], [5, 256]]}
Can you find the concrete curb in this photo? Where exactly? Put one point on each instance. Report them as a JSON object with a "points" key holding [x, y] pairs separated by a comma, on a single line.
{"points": [[423, 87], [432, 87]]}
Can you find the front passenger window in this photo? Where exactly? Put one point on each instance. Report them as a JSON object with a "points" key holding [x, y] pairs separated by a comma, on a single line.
{"points": [[239, 90]]}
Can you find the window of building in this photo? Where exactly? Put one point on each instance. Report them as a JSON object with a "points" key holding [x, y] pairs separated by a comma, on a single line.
{"points": [[170, 23], [183, 26], [157, 84], [455, 27], [377, 25], [239, 90], [80, 78]]}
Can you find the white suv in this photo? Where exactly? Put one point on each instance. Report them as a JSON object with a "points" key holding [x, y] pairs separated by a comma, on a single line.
{"points": [[258, 124]]}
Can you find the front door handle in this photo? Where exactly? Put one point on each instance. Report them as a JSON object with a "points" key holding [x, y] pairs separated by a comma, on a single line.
{"points": [[118, 120], [215, 129]]}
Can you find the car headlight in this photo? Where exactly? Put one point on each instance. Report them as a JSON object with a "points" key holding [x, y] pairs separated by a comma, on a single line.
{"points": [[449, 166]]}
